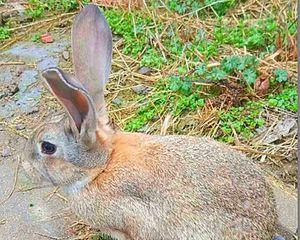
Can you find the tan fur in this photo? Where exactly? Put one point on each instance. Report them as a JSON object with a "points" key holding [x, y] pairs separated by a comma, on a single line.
{"points": [[137, 186], [145, 191]]}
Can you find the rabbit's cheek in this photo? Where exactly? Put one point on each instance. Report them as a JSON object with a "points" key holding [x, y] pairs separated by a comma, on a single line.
{"points": [[56, 164]]}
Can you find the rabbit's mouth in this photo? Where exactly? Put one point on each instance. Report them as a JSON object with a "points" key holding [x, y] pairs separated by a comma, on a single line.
{"points": [[45, 174]]}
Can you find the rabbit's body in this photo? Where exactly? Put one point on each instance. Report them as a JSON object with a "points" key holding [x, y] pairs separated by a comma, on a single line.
{"points": [[177, 187], [136, 186]]}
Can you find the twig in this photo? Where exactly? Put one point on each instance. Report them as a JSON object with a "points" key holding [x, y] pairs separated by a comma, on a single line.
{"points": [[16, 63], [14, 184], [48, 236], [250, 150]]}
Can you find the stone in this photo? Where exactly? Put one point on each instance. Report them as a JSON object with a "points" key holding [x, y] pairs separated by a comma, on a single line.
{"points": [[145, 70], [278, 238], [141, 89], [66, 55], [117, 101], [6, 152], [20, 127]]}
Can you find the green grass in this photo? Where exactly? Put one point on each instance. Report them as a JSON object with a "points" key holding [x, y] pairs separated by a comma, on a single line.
{"points": [[287, 99], [218, 7], [101, 236], [244, 120], [160, 45], [172, 95], [37, 8], [4, 33], [256, 35]]}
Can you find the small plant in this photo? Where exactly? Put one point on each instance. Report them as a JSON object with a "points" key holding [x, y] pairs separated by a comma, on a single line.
{"points": [[37, 8], [101, 236], [4, 33], [243, 67], [136, 30], [36, 37], [153, 58], [187, 6], [257, 35], [243, 120], [281, 75], [174, 95], [287, 99]]}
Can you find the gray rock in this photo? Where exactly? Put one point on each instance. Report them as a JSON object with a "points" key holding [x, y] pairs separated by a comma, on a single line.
{"points": [[27, 78], [6, 76], [140, 89], [145, 70], [285, 127], [117, 101], [20, 127], [278, 238], [36, 52], [47, 63], [66, 55], [27, 51], [6, 152]]}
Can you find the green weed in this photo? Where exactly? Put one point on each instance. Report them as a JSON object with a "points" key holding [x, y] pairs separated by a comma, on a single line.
{"points": [[255, 35], [243, 120], [135, 29], [101, 236], [187, 6], [241, 66], [174, 95], [281, 75], [287, 99], [4, 33], [246, 119], [37, 8], [36, 37], [131, 26]]}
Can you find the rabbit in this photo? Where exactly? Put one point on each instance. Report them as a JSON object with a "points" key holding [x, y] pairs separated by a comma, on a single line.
{"points": [[134, 185]]}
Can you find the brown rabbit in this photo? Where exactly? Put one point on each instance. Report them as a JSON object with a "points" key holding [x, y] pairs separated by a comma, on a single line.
{"points": [[137, 186]]}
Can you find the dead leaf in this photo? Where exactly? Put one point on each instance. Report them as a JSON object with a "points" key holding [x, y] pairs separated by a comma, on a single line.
{"points": [[262, 84], [292, 51], [278, 41], [281, 130]]}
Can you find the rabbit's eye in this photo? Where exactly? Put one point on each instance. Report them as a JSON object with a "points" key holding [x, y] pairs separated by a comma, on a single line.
{"points": [[48, 148]]}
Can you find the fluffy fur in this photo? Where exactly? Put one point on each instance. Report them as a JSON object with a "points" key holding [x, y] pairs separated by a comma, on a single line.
{"points": [[137, 186]]}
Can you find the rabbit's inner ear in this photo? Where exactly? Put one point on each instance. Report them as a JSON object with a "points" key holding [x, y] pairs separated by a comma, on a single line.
{"points": [[74, 98]]}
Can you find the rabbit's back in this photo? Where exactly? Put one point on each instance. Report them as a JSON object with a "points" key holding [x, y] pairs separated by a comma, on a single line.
{"points": [[180, 187]]}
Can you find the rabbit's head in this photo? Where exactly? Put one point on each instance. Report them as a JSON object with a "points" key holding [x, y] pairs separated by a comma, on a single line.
{"points": [[72, 152]]}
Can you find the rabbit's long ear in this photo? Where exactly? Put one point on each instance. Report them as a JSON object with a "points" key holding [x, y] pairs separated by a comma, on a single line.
{"points": [[92, 53], [76, 101]]}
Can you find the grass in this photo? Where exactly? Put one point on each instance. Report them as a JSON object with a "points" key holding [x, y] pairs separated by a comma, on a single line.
{"points": [[172, 95], [286, 99], [4, 33], [187, 54], [219, 7], [37, 8], [255, 35], [244, 120], [101, 236]]}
